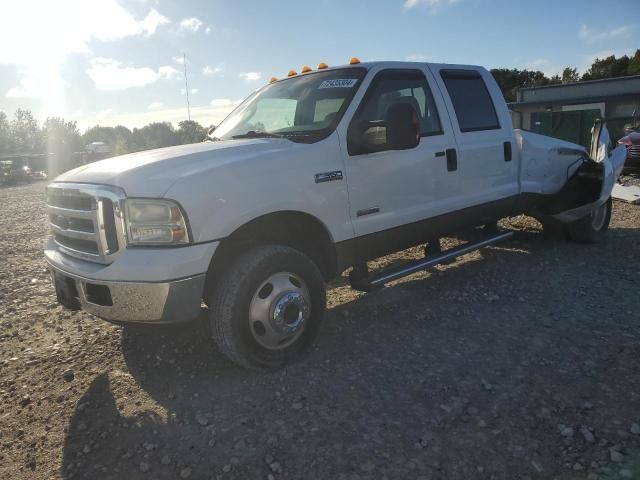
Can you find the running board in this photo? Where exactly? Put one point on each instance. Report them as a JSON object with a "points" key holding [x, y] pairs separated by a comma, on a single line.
{"points": [[367, 283]]}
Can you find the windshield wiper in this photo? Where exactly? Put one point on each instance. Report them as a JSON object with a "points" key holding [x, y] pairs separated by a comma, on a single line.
{"points": [[254, 134]]}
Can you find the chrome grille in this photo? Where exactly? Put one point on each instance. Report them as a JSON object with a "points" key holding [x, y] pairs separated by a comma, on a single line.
{"points": [[86, 220]]}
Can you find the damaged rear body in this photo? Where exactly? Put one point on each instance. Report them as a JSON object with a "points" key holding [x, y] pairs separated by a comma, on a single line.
{"points": [[564, 181]]}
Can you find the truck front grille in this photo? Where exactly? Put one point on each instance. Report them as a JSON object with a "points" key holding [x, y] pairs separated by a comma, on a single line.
{"points": [[86, 220]]}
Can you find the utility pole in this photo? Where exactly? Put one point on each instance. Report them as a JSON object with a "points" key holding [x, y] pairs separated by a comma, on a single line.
{"points": [[186, 84]]}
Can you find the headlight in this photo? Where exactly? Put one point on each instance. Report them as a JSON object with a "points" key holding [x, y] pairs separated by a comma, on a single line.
{"points": [[155, 222]]}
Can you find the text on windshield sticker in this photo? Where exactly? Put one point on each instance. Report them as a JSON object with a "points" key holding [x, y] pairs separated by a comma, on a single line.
{"points": [[339, 83]]}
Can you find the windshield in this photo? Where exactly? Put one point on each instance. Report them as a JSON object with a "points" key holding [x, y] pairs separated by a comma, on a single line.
{"points": [[305, 108]]}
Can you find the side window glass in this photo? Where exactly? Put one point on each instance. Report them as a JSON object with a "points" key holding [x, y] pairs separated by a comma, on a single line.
{"points": [[368, 132], [471, 100]]}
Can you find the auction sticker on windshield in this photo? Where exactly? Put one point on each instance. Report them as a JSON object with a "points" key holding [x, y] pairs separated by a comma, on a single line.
{"points": [[339, 83]]}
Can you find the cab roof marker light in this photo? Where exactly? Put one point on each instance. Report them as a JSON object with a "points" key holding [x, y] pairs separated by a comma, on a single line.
{"points": [[354, 61], [305, 69], [292, 73], [322, 66], [273, 79]]}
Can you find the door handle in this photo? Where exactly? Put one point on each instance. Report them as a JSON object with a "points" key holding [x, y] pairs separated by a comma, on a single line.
{"points": [[452, 159], [507, 151]]}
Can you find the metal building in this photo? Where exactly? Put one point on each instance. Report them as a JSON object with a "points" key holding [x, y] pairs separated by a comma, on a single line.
{"points": [[568, 110]]}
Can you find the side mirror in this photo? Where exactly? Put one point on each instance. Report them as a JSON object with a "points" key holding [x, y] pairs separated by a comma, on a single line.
{"points": [[403, 127]]}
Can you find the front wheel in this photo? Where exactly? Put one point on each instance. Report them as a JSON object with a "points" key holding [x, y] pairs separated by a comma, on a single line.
{"points": [[266, 308], [589, 229]]}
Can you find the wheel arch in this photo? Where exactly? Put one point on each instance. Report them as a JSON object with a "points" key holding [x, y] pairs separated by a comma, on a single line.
{"points": [[292, 228]]}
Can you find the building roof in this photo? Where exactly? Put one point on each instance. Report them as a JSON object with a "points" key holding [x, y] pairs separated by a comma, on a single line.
{"points": [[588, 90]]}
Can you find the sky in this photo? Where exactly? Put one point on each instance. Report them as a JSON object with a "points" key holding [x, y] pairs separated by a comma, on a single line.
{"points": [[112, 62]]}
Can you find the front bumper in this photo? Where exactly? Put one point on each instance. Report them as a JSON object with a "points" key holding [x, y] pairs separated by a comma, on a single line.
{"points": [[149, 285], [161, 302]]}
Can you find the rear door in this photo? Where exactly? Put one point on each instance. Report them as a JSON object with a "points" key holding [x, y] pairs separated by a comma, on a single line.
{"points": [[484, 135]]}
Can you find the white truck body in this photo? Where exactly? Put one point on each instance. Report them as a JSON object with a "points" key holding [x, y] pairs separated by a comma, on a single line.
{"points": [[363, 205]]}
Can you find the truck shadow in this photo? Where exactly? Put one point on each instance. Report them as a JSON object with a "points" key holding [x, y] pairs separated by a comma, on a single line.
{"points": [[182, 399]]}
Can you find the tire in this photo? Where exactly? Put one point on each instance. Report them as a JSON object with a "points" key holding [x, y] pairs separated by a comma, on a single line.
{"points": [[265, 309], [590, 229]]}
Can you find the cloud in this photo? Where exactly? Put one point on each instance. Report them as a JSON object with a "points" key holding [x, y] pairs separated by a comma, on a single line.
{"points": [[429, 3], [207, 30], [110, 74], [155, 105], [546, 66], [168, 72], [211, 71], [590, 35], [152, 21], [192, 91], [180, 59], [221, 102], [193, 24], [39, 57], [104, 114], [251, 76]]}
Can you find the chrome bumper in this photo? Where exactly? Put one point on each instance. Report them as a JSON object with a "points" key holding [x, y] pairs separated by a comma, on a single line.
{"points": [[146, 302]]}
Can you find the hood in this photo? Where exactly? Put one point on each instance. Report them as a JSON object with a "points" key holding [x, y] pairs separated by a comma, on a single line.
{"points": [[152, 172]]}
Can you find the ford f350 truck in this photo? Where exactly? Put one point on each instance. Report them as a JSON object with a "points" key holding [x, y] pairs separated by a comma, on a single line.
{"points": [[312, 175]]}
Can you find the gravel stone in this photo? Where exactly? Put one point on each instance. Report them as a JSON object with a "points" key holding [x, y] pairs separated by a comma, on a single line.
{"points": [[567, 432], [616, 456]]}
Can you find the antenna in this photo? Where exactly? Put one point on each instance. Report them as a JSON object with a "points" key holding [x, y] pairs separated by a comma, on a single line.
{"points": [[186, 84]]}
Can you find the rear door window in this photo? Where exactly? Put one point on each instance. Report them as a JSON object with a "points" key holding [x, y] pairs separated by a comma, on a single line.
{"points": [[471, 100]]}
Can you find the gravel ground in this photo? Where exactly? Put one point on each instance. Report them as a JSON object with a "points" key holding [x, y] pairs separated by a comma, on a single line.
{"points": [[520, 361]]}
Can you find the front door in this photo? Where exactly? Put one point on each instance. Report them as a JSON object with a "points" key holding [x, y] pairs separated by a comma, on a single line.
{"points": [[392, 188]]}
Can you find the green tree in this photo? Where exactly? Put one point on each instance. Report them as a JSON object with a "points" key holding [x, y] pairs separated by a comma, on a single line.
{"points": [[634, 64], [100, 134], [570, 75], [62, 140], [6, 144], [121, 147], [190, 131], [509, 80], [608, 67], [25, 134], [154, 135]]}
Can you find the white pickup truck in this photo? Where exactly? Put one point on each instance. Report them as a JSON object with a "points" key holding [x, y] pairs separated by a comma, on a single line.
{"points": [[311, 175]]}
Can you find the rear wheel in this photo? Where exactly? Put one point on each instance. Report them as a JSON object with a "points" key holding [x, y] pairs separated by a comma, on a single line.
{"points": [[266, 308], [589, 229]]}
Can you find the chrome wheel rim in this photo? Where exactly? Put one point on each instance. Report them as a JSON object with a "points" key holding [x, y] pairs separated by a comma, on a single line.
{"points": [[279, 311], [598, 217]]}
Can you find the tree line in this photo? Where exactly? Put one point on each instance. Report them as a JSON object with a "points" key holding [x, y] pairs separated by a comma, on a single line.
{"points": [[510, 80], [62, 138], [23, 134]]}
